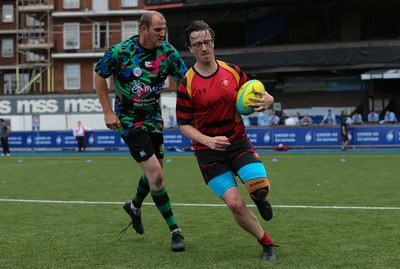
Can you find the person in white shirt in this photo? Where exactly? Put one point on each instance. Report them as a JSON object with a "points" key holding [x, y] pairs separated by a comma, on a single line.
{"points": [[79, 134]]}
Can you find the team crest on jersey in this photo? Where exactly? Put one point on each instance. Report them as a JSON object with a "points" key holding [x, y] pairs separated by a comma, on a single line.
{"points": [[225, 84], [137, 72], [148, 64]]}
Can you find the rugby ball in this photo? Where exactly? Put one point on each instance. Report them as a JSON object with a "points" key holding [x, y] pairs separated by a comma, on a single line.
{"points": [[248, 90]]}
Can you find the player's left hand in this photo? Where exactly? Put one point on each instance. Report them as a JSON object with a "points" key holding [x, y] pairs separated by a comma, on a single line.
{"points": [[262, 103]]}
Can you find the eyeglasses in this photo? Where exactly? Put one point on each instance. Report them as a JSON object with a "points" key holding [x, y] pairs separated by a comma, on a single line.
{"points": [[199, 45]]}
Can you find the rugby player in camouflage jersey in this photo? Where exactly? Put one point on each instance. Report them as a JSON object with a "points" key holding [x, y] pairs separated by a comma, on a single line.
{"points": [[140, 66]]}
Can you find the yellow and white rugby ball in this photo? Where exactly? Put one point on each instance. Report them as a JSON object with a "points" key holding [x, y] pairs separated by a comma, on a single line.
{"points": [[248, 90]]}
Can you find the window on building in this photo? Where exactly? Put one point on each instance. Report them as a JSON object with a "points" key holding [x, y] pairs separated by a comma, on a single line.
{"points": [[10, 82], [129, 3], [7, 48], [71, 36], [94, 80], [100, 35], [70, 4], [33, 22], [100, 5], [8, 13], [34, 57], [72, 76], [129, 28]]}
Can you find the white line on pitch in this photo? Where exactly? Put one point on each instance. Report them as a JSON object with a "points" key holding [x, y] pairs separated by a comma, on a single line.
{"points": [[205, 205]]}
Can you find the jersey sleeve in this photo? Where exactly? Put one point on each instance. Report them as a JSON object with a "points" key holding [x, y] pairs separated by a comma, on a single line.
{"points": [[107, 64], [184, 105], [242, 75], [178, 67]]}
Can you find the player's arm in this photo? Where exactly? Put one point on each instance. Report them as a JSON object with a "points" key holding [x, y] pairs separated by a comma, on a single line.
{"points": [[219, 143], [111, 120]]}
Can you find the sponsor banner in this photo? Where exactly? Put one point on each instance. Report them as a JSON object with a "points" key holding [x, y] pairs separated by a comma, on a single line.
{"points": [[51, 104], [382, 135], [387, 135]]}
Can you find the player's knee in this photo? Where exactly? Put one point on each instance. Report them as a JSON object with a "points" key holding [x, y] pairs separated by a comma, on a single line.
{"points": [[258, 188], [236, 205]]}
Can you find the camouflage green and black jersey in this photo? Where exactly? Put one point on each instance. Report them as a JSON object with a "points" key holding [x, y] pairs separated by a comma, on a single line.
{"points": [[139, 77]]}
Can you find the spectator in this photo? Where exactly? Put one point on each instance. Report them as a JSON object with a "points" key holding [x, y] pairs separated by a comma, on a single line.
{"points": [[329, 118], [357, 119], [373, 117], [306, 121], [79, 134], [262, 119], [298, 116], [273, 119], [343, 131], [282, 118], [246, 120], [390, 117], [5, 130], [292, 121], [171, 123]]}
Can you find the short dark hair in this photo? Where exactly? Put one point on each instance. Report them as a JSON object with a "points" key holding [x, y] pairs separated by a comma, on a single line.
{"points": [[197, 26]]}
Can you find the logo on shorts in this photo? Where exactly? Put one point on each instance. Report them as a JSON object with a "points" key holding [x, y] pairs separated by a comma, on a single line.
{"points": [[142, 153]]}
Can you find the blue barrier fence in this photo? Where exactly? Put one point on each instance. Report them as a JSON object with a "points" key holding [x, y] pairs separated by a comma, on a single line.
{"points": [[299, 137]]}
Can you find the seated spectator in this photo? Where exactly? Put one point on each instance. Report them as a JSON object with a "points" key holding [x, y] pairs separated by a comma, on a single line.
{"points": [[171, 123], [262, 119], [390, 117], [345, 118], [329, 118], [357, 119], [306, 121], [282, 118], [373, 117], [298, 116], [349, 121], [292, 121], [272, 119]]}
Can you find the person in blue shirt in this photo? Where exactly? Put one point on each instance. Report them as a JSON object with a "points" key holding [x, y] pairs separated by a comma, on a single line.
{"points": [[329, 118], [272, 119], [246, 120], [262, 119], [357, 119], [390, 117], [171, 122], [373, 117], [306, 120]]}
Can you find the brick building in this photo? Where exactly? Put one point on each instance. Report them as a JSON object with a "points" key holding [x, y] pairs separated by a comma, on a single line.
{"points": [[317, 47], [51, 46]]}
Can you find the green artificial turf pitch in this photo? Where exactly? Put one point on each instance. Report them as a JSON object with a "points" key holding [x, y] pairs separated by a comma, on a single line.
{"points": [[331, 210]]}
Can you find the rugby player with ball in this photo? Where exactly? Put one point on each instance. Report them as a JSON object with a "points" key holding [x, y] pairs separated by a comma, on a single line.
{"points": [[207, 113]]}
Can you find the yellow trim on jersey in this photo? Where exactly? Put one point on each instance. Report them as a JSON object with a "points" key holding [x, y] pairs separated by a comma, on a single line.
{"points": [[189, 76], [233, 71]]}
